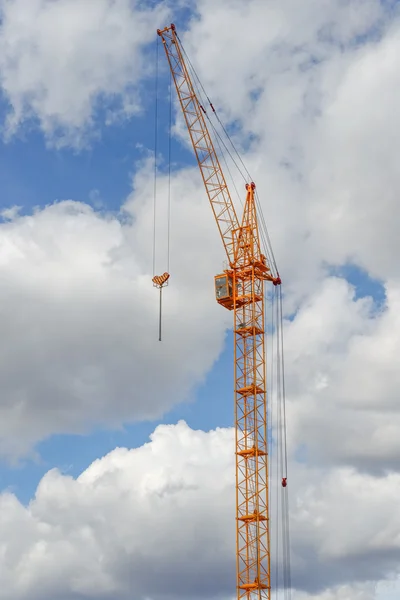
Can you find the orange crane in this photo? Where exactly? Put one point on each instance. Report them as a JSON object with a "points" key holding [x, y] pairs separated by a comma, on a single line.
{"points": [[240, 288]]}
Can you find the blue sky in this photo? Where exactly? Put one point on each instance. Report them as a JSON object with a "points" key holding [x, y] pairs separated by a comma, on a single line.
{"points": [[341, 360], [37, 175], [211, 406], [33, 175]]}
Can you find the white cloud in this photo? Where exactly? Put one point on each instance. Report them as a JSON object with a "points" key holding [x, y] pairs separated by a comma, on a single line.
{"points": [[342, 378], [324, 162], [152, 520], [318, 88], [159, 521], [324, 120], [283, 40], [343, 592], [358, 179], [79, 314], [59, 60]]}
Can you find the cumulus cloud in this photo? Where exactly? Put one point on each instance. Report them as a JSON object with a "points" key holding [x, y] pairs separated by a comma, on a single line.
{"points": [[323, 157], [287, 51], [158, 521], [306, 87], [343, 382], [80, 315], [358, 179], [343, 592], [316, 93], [60, 60], [78, 310], [152, 521]]}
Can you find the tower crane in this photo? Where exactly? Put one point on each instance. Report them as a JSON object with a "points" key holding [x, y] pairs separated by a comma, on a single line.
{"points": [[240, 289]]}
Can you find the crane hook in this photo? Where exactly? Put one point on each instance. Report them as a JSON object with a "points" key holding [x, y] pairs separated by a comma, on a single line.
{"points": [[160, 281]]}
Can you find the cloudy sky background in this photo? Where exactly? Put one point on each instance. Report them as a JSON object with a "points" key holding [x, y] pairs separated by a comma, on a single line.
{"points": [[117, 457]]}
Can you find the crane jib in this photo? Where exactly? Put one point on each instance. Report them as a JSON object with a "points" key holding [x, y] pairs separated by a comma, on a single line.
{"points": [[209, 165]]}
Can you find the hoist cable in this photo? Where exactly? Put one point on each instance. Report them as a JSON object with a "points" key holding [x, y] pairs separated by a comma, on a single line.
{"points": [[274, 447], [198, 93], [282, 447], [218, 137], [225, 161], [192, 68], [245, 179], [215, 112], [283, 378], [278, 429], [284, 463], [266, 233], [169, 173], [263, 229], [270, 390], [226, 148], [155, 159], [233, 146]]}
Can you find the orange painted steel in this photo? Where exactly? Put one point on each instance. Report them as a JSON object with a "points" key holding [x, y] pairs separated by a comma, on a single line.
{"points": [[211, 171], [160, 281], [241, 289]]}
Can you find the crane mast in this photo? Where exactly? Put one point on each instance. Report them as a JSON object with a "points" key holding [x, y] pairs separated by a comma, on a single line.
{"points": [[239, 288]]}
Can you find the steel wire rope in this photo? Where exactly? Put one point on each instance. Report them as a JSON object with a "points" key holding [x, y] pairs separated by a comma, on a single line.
{"points": [[218, 137], [271, 390], [281, 412], [160, 281], [282, 450], [283, 378], [169, 173], [219, 142], [155, 158], [285, 495], [263, 230], [215, 112], [196, 77], [274, 467], [279, 434], [281, 397]]}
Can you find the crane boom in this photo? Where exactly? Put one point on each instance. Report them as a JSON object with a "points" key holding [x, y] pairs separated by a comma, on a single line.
{"points": [[210, 168], [241, 289]]}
